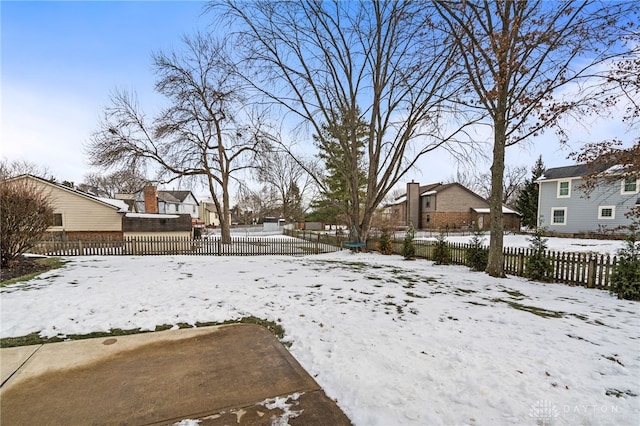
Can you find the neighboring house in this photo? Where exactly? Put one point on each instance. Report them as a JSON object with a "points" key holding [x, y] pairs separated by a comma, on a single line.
{"points": [[208, 214], [152, 200], [565, 208], [445, 206], [77, 214]]}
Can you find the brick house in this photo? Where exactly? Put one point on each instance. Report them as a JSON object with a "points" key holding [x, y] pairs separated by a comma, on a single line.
{"points": [[445, 206]]}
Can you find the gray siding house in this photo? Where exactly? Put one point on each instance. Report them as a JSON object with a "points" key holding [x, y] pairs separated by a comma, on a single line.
{"points": [[565, 208]]}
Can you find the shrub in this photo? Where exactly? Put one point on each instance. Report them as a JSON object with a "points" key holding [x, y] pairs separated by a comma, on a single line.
{"points": [[625, 280], [441, 254], [408, 247], [384, 243], [477, 254], [26, 215], [538, 265]]}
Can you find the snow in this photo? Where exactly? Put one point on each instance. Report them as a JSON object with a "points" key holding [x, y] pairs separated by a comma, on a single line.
{"points": [[120, 204], [575, 245], [152, 215], [487, 210], [392, 341]]}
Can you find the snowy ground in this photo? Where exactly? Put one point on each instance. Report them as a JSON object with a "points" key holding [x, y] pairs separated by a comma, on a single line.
{"points": [[609, 247], [394, 342]]}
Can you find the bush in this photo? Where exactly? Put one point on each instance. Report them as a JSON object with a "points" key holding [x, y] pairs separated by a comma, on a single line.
{"points": [[26, 215], [408, 248], [538, 265], [625, 280], [441, 254], [477, 254], [384, 243]]}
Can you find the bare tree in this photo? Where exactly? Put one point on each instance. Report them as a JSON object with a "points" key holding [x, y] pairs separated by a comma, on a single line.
{"points": [[119, 182], [25, 214], [530, 63], [609, 161], [289, 178], [256, 204], [205, 131], [625, 76], [9, 169], [514, 177], [378, 62]]}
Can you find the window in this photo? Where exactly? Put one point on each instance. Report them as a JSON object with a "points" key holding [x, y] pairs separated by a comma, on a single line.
{"points": [[630, 186], [607, 212], [427, 202], [559, 216], [56, 220], [564, 189]]}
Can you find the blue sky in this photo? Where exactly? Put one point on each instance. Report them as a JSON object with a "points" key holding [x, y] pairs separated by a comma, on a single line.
{"points": [[61, 61]]}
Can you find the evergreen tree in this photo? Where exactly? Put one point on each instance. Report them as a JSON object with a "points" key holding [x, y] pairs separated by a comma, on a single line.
{"points": [[342, 150], [384, 243], [292, 208], [527, 203], [441, 254], [408, 247], [477, 253], [538, 265], [625, 280]]}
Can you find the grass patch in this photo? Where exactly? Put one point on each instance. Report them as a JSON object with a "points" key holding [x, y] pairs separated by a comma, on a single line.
{"points": [[541, 312], [35, 339], [47, 263], [619, 394], [471, 302], [515, 294]]}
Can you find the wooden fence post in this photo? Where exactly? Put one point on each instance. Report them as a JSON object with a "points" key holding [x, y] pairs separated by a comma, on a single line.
{"points": [[591, 272], [520, 271]]}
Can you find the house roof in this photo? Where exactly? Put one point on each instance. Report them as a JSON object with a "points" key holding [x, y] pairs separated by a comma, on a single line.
{"points": [[439, 187], [433, 189], [576, 170], [116, 204], [174, 196]]}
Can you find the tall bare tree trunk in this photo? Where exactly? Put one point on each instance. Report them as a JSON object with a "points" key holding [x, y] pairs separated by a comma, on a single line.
{"points": [[496, 257]]}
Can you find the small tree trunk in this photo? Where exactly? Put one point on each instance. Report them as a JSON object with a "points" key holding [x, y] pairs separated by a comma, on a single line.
{"points": [[225, 225]]}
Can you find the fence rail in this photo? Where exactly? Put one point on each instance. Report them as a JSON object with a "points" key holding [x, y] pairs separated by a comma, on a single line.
{"points": [[145, 246], [586, 269]]}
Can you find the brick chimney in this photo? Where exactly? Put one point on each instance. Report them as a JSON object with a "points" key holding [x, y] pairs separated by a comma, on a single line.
{"points": [[151, 199], [413, 204]]}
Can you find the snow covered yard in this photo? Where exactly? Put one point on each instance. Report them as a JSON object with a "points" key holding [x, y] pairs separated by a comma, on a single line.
{"points": [[393, 341]]}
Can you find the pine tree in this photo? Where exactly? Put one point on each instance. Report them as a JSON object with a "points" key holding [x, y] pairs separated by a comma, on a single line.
{"points": [[384, 243], [625, 280], [527, 203], [441, 254], [341, 148], [477, 253], [408, 247], [538, 265]]}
